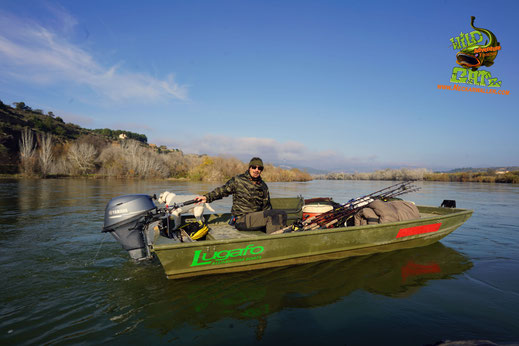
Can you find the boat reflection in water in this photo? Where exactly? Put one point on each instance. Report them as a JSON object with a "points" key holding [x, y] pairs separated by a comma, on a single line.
{"points": [[201, 301]]}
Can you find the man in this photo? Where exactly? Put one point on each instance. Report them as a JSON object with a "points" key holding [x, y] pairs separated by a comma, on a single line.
{"points": [[251, 207]]}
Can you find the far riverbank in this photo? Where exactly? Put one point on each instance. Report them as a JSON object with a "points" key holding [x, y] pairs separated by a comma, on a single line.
{"points": [[388, 175], [421, 174]]}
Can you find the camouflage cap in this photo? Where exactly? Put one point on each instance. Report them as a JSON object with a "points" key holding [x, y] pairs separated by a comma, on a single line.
{"points": [[256, 161]]}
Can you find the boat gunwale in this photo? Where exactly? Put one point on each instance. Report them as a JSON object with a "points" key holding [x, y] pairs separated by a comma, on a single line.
{"points": [[451, 213], [314, 257]]}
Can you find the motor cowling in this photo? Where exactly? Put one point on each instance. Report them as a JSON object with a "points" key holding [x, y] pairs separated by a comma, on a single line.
{"points": [[125, 219]]}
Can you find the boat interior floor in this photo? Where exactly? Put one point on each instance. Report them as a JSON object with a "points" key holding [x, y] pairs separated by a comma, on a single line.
{"points": [[226, 231], [221, 230]]}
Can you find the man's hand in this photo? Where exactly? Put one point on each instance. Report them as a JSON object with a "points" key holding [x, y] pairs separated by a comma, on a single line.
{"points": [[201, 199]]}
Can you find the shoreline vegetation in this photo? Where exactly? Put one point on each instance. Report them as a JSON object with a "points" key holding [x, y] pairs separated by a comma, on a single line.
{"points": [[38, 145], [387, 175], [90, 156], [128, 158], [476, 176]]}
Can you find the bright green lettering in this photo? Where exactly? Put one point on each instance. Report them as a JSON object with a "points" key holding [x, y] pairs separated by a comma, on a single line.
{"points": [[207, 259], [473, 35], [456, 44], [461, 78], [473, 77], [462, 40], [219, 255], [254, 252], [222, 257], [494, 83], [195, 259], [247, 249], [482, 76]]}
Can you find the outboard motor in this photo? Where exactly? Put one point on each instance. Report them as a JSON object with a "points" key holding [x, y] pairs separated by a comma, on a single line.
{"points": [[127, 219]]}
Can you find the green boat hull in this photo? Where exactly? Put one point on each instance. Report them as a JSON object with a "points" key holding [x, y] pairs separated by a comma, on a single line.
{"points": [[234, 251]]}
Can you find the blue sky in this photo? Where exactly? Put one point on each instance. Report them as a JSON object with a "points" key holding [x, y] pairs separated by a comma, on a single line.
{"points": [[336, 85]]}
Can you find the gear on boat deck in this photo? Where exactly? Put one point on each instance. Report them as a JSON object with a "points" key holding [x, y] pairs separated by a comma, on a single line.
{"points": [[224, 231]]}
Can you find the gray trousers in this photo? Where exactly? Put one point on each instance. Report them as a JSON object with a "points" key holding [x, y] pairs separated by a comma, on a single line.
{"points": [[267, 221]]}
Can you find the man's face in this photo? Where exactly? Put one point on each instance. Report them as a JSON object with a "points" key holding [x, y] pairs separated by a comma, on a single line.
{"points": [[255, 171]]}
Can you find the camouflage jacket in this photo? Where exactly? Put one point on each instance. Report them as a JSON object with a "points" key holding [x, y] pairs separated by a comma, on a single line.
{"points": [[248, 195]]}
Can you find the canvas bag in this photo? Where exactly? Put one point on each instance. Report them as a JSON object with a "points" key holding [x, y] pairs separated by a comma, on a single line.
{"points": [[383, 212]]}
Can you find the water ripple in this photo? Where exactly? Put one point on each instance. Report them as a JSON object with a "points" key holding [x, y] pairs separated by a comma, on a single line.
{"points": [[66, 282]]}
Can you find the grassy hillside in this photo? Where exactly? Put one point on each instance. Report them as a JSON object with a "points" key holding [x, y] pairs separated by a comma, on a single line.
{"points": [[43, 145], [13, 120]]}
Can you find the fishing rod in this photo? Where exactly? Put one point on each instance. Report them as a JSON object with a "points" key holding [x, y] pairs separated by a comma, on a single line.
{"points": [[339, 216], [341, 213], [180, 204], [335, 216], [359, 202], [387, 190], [407, 191]]}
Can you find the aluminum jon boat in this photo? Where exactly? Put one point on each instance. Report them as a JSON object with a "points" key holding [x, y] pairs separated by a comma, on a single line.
{"points": [[138, 225]]}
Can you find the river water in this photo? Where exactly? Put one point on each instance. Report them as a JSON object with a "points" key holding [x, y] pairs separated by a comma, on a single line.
{"points": [[65, 282]]}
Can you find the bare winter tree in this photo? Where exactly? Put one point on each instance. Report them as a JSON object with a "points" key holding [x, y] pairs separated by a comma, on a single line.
{"points": [[82, 157], [131, 150], [27, 152], [142, 161], [45, 153]]}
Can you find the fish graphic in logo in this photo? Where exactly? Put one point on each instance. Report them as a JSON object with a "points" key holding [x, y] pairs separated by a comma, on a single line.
{"points": [[475, 56]]}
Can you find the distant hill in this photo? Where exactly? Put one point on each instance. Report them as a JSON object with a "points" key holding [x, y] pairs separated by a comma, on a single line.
{"points": [[14, 119]]}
